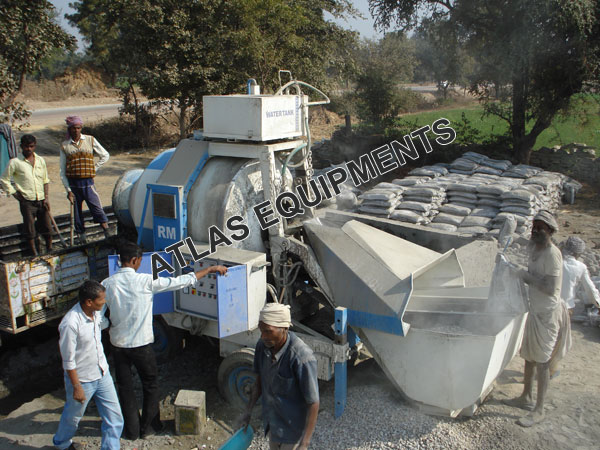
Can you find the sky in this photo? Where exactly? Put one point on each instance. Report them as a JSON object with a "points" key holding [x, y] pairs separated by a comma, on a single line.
{"points": [[363, 26]]}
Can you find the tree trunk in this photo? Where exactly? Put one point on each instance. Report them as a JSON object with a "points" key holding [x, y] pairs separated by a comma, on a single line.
{"points": [[182, 116], [521, 145], [522, 142], [136, 106]]}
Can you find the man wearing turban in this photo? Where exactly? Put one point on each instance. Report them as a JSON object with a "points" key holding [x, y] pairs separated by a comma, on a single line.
{"points": [[575, 274], [286, 378], [545, 337], [77, 172]]}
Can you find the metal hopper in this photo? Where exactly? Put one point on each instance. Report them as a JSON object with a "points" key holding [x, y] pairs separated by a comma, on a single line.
{"points": [[441, 344]]}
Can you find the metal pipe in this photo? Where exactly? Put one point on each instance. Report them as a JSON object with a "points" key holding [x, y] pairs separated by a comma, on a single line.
{"points": [[290, 156], [308, 145], [251, 82], [302, 83], [273, 292]]}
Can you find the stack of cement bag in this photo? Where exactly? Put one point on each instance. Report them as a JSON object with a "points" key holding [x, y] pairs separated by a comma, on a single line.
{"points": [[491, 166], [381, 200], [410, 181], [462, 210], [522, 171], [474, 194], [549, 188], [463, 166], [464, 193], [524, 204], [434, 171], [420, 203], [489, 198], [346, 200]]}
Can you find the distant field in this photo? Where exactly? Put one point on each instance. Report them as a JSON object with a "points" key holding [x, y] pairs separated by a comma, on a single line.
{"points": [[581, 125]]}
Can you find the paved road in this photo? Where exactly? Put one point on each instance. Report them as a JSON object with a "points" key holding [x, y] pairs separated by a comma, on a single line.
{"points": [[431, 88], [89, 113], [94, 113]]}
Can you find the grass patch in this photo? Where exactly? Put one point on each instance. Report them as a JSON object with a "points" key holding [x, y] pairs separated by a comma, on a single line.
{"points": [[581, 124]]}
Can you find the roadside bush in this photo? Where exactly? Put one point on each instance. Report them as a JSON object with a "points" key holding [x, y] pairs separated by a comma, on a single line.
{"points": [[343, 104], [120, 134], [377, 98], [465, 132]]}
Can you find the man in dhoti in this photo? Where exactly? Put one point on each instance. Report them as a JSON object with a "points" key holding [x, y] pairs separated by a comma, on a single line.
{"points": [[547, 336]]}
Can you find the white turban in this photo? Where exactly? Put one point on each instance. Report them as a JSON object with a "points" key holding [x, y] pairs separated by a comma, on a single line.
{"points": [[276, 315], [547, 217], [575, 245]]}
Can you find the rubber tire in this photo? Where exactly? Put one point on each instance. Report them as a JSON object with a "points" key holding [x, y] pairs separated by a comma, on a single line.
{"points": [[236, 377], [168, 341]]}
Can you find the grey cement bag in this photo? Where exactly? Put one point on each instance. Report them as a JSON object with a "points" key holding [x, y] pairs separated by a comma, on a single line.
{"points": [[476, 221], [449, 219]]}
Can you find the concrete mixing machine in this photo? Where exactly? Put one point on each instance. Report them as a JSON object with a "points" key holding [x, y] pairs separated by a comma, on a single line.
{"points": [[241, 193]]}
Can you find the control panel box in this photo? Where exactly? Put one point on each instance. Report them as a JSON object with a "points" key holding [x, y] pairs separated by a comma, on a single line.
{"points": [[233, 300], [253, 117]]}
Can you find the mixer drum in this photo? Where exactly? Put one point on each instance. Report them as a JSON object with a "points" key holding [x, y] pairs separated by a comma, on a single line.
{"points": [[224, 188]]}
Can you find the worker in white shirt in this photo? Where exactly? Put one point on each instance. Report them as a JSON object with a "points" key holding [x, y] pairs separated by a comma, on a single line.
{"points": [[575, 274], [86, 370], [129, 298]]}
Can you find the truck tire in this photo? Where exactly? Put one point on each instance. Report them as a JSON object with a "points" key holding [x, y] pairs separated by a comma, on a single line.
{"points": [[236, 377], [167, 340]]}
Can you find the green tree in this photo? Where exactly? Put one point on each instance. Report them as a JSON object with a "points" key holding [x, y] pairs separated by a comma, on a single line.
{"points": [[274, 34], [29, 34], [541, 51], [179, 51], [382, 66], [96, 21], [56, 63], [441, 55]]}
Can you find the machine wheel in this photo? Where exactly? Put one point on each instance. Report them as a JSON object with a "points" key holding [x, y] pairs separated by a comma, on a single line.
{"points": [[236, 377], [167, 340]]}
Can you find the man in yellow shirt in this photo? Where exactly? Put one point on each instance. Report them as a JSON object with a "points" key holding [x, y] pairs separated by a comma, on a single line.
{"points": [[30, 175]]}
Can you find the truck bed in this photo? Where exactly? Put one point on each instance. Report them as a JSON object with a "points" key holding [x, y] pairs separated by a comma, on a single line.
{"points": [[35, 290]]}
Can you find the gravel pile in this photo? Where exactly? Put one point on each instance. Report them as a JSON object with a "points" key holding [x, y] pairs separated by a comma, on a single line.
{"points": [[376, 418]]}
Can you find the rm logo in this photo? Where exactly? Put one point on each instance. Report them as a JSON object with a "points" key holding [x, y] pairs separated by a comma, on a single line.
{"points": [[166, 232]]}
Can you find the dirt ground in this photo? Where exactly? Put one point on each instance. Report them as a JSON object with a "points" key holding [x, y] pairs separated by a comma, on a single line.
{"points": [[573, 412]]}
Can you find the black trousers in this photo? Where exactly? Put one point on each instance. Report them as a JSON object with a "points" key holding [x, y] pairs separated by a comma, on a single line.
{"points": [[35, 216], [144, 360]]}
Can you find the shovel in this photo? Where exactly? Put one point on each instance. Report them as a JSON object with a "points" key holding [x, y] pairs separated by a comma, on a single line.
{"points": [[240, 440], [72, 237], [62, 241]]}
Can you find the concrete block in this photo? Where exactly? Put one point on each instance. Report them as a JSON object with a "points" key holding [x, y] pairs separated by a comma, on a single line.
{"points": [[190, 412]]}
